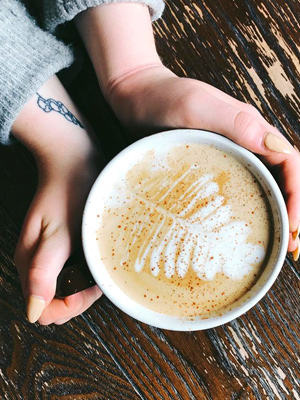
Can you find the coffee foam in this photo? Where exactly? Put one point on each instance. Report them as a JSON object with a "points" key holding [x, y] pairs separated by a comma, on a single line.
{"points": [[177, 219], [198, 230]]}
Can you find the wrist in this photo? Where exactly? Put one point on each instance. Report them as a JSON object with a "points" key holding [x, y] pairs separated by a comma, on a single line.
{"points": [[54, 131], [130, 95], [50, 123], [132, 80]]}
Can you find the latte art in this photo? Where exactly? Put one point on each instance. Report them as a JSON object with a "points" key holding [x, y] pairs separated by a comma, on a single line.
{"points": [[183, 228], [186, 231]]}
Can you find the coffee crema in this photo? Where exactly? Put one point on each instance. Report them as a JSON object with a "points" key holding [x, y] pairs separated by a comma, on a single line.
{"points": [[187, 232]]}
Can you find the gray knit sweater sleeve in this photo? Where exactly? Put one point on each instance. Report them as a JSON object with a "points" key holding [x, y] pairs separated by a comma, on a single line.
{"points": [[28, 57], [57, 12]]}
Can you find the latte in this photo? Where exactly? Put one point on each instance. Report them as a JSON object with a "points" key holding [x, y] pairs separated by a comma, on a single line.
{"points": [[187, 231]]}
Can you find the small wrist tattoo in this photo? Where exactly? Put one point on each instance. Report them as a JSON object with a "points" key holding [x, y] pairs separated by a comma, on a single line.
{"points": [[48, 105]]}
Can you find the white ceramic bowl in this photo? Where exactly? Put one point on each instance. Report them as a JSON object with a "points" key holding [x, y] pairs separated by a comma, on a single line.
{"points": [[120, 165]]}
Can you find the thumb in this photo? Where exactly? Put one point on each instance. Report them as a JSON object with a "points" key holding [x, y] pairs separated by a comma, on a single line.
{"points": [[256, 135], [49, 258], [241, 123]]}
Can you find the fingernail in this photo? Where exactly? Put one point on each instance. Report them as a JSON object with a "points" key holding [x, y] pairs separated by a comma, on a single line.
{"points": [[296, 233], [296, 252], [276, 143], [35, 307]]}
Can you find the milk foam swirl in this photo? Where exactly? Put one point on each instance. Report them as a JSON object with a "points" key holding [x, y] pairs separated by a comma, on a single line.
{"points": [[196, 229]]}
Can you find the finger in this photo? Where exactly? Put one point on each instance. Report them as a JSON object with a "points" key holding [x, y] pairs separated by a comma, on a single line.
{"points": [[291, 188], [224, 97], [240, 105], [60, 311], [51, 254], [246, 128], [249, 133]]}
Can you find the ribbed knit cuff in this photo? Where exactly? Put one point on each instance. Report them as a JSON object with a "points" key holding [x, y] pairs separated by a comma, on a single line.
{"points": [[29, 57], [57, 12]]}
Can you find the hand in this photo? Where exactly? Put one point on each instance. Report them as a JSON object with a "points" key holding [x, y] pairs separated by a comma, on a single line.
{"points": [[154, 99], [49, 235], [147, 97], [68, 164]]}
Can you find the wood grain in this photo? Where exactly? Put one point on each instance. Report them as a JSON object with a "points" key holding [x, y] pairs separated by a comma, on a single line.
{"points": [[250, 50]]}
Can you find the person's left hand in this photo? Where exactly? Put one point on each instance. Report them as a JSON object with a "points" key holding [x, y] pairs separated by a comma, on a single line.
{"points": [[154, 99]]}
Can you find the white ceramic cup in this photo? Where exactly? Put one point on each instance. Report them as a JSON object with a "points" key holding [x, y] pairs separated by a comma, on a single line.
{"points": [[121, 164]]}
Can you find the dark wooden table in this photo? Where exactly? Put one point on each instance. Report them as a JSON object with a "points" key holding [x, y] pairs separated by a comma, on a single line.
{"points": [[249, 49]]}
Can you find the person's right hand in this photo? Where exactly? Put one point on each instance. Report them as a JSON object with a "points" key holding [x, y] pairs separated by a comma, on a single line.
{"points": [[50, 233], [68, 164]]}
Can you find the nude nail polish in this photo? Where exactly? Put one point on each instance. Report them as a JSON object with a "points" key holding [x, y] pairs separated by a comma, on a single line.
{"points": [[35, 307], [277, 144], [296, 233]]}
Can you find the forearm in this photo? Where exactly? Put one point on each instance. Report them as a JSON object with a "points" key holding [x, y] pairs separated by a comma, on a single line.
{"points": [[119, 40]]}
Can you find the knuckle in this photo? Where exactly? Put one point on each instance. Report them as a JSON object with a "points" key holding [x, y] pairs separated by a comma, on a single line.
{"points": [[187, 107], [246, 126], [190, 100], [39, 276]]}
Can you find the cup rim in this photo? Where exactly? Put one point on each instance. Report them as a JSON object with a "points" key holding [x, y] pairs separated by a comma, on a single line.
{"points": [[127, 304]]}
